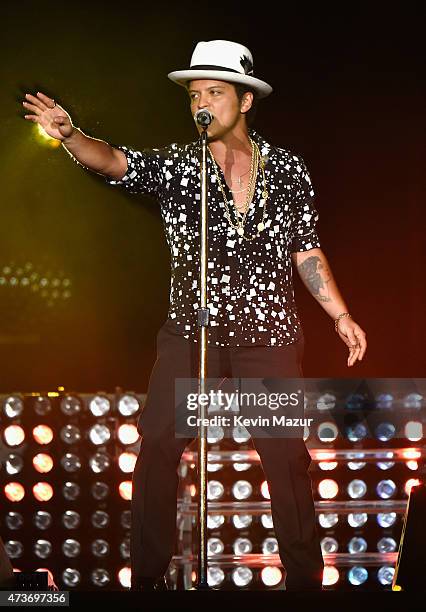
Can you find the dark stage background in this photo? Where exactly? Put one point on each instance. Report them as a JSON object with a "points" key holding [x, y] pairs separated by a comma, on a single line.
{"points": [[348, 96]]}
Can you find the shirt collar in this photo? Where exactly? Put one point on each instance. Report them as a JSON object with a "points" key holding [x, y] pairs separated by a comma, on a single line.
{"points": [[266, 149]]}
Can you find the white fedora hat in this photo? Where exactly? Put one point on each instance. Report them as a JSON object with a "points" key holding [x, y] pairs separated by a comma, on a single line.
{"points": [[222, 60]]}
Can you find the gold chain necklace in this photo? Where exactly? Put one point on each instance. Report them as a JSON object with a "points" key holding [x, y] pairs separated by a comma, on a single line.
{"points": [[241, 219]]}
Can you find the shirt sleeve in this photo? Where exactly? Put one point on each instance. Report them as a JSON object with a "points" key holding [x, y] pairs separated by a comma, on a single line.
{"points": [[144, 171], [303, 233]]}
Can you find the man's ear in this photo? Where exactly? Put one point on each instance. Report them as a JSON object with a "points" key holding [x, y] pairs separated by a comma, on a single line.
{"points": [[246, 102]]}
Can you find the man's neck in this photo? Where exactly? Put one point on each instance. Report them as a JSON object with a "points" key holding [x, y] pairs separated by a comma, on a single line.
{"points": [[234, 148]]}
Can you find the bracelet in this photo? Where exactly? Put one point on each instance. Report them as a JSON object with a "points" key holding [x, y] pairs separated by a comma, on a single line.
{"points": [[336, 321]]}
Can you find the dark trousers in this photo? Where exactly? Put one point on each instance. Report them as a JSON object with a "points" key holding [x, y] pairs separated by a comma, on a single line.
{"points": [[285, 461]]}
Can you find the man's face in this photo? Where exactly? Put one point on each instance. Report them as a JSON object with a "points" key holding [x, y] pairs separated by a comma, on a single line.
{"points": [[220, 98]]}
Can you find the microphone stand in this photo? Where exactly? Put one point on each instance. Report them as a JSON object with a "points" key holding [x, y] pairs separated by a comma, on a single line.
{"points": [[203, 323]]}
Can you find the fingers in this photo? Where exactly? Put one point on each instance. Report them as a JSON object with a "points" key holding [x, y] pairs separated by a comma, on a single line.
{"points": [[35, 102], [49, 102], [362, 342], [32, 107], [355, 341]]}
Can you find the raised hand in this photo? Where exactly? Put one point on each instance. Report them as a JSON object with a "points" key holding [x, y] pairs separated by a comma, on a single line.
{"points": [[53, 118]]}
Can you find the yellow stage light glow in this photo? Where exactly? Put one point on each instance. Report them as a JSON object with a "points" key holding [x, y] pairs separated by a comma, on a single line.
{"points": [[44, 138]]}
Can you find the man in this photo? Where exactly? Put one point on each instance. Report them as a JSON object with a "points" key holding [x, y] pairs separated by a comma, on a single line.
{"points": [[260, 211]]}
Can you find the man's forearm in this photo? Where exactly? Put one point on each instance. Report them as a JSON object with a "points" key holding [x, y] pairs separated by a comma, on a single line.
{"points": [[317, 277], [97, 155]]}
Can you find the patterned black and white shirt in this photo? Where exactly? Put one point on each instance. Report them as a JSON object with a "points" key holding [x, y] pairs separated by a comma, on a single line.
{"points": [[250, 289]]}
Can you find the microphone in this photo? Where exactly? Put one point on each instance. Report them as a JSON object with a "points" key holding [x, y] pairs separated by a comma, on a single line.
{"points": [[203, 117]]}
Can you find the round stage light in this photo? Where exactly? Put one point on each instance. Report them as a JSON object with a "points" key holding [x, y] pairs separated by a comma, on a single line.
{"points": [[100, 577], [385, 575], [242, 575], [99, 434], [42, 519], [327, 431], [356, 489], [385, 489], [13, 406], [328, 519], [42, 491], [14, 491], [14, 464], [128, 434], [100, 548], [100, 519], [328, 488], [14, 435], [71, 491], [127, 462], [386, 545], [215, 434], [413, 401], [242, 489], [70, 434], [264, 489], [242, 546], [357, 519], [327, 401], [385, 431], [71, 462], [357, 545], [43, 434], [125, 548], [42, 405], [71, 519], [384, 401], [270, 546], [240, 434], [329, 545], [125, 490], [71, 577], [356, 433], [14, 520], [357, 575], [43, 549], [71, 548], [214, 521], [215, 489], [271, 576], [128, 405], [43, 463], [70, 405], [215, 576], [99, 405], [413, 431], [266, 520], [99, 463], [386, 519], [330, 575], [14, 549], [242, 521], [99, 490], [215, 546], [124, 577]]}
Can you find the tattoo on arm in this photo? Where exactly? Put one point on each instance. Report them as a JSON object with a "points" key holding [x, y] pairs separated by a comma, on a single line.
{"points": [[316, 276]]}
